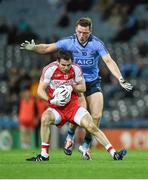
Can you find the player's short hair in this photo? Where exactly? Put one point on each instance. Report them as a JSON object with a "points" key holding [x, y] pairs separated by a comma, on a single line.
{"points": [[64, 54], [84, 21]]}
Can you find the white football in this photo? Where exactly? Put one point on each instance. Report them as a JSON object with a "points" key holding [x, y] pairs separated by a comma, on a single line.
{"points": [[62, 93]]}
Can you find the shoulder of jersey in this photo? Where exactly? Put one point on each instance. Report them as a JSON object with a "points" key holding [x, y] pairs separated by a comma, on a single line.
{"points": [[76, 66], [51, 65], [94, 38]]}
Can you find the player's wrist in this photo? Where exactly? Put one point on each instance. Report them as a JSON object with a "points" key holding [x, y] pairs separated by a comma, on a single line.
{"points": [[121, 79]]}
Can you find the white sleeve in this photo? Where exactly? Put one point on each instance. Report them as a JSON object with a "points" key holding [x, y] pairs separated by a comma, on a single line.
{"points": [[78, 73], [47, 74]]}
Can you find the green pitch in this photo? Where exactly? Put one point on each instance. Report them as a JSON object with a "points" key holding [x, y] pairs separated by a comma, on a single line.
{"points": [[60, 166]]}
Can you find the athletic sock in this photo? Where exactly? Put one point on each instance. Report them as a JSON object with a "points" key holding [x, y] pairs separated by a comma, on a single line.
{"points": [[44, 150], [71, 134], [87, 141], [110, 149]]}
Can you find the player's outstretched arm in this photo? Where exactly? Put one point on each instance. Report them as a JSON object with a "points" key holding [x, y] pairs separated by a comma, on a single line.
{"points": [[111, 64], [39, 48]]}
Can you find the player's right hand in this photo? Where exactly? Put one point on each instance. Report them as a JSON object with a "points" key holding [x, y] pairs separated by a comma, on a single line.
{"points": [[28, 45], [57, 101]]}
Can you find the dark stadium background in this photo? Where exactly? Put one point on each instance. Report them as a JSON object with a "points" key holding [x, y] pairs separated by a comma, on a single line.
{"points": [[122, 25]]}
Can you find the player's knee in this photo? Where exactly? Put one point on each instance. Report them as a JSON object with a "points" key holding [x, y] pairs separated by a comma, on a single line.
{"points": [[46, 120], [96, 118], [91, 127]]}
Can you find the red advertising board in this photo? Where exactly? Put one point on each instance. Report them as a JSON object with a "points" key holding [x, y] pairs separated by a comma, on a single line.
{"points": [[123, 138]]}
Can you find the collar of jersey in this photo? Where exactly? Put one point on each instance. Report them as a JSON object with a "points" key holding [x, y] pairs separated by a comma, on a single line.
{"points": [[85, 44]]}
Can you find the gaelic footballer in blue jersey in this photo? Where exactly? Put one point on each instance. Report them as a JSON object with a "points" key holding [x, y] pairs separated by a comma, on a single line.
{"points": [[87, 51]]}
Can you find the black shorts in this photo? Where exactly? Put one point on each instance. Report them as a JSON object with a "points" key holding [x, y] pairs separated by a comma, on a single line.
{"points": [[93, 87]]}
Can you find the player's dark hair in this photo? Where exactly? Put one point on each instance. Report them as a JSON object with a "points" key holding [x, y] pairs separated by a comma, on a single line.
{"points": [[64, 54], [84, 21]]}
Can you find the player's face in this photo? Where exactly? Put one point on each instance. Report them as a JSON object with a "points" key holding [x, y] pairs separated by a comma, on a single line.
{"points": [[83, 33], [65, 65]]}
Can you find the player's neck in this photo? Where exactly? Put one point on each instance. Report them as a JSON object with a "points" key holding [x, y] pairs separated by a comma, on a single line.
{"points": [[83, 44]]}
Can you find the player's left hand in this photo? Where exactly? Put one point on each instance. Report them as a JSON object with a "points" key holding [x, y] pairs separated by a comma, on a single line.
{"points": [[126, 85]]}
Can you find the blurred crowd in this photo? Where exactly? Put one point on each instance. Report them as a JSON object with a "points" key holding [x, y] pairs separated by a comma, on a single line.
{"points": [[118, 14]]}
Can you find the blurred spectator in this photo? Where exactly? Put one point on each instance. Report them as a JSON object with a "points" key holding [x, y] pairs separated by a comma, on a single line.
{"points": [[24, 80], [53, 4], [143, 48], [12, 35], [64, 20], [26, 117], [4, 27], [79, 5], [22, 25], [128, 28], [28, 34], [35, 76]]}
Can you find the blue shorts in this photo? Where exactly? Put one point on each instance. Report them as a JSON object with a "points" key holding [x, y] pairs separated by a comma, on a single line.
{"points": [[93, 87]]}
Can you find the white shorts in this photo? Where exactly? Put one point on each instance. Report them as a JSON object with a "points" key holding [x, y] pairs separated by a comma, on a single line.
{"points": [[77, 117]]}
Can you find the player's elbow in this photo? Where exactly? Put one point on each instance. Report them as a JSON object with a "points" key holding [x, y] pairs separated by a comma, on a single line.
{"points": [[82, 89]]}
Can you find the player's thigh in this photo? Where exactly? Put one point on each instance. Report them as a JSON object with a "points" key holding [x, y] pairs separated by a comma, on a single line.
{"points": [[95, 104]]}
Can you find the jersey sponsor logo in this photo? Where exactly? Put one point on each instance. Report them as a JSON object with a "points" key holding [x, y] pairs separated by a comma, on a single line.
{"points": [[56, 83], [84, 61]]}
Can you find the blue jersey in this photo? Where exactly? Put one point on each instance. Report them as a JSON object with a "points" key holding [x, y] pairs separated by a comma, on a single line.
{"points": [[87, 56]]}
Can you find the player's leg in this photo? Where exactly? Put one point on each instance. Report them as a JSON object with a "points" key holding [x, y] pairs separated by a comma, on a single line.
{"points": [[49, 117], [87, 123], [95, 107], [69, 143], [94, 99]]}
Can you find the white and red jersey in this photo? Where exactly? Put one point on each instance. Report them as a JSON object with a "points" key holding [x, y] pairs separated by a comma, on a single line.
{"points": [[54, 77]]}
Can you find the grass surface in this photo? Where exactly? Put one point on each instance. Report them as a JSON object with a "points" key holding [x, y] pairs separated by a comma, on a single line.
{"points": [[60, 166]]}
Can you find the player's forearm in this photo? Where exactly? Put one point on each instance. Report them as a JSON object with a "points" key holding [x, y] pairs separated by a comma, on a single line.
{"points": [[42, 94], [114, 69], [80, 88], [41, 48]]}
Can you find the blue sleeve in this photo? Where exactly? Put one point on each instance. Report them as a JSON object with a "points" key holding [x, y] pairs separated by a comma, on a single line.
{"points": [[102, 49], [62, 44]]}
